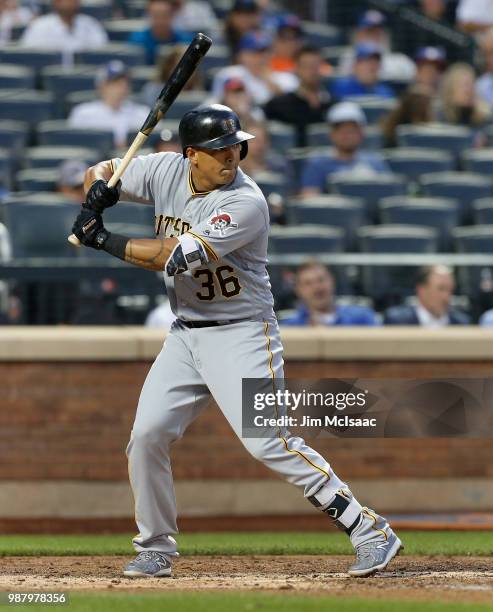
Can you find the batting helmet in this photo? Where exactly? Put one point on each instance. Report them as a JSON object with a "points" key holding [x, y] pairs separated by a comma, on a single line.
{"points": [[212, 127]]}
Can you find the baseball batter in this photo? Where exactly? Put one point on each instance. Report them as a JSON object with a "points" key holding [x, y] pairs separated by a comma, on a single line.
{"points": [[212, 225]]}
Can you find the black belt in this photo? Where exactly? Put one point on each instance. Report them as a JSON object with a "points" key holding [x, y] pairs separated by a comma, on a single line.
{"points": [[210, 323]]}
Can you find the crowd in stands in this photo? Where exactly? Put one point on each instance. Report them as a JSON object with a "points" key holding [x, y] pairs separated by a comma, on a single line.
{"points": [[328, 106]]}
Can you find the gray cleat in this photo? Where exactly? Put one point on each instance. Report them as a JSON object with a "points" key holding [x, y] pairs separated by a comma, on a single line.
{"points": [[375, 555], [148, 564]]}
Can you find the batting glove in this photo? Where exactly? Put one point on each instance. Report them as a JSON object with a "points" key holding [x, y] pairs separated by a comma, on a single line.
{"points": [[100, 196], [89, 229]]}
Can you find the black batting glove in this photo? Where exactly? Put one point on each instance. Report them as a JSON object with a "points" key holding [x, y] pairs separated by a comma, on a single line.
{"points": [[100, 196], [89, 229]]}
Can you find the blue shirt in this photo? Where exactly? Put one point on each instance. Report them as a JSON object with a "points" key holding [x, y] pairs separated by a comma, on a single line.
{"points": [[344, 315], [317, 169], [343, 87], [150, 43]]}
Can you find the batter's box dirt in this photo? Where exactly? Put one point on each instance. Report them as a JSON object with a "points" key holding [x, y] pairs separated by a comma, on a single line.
{"points": [[425, 578]]}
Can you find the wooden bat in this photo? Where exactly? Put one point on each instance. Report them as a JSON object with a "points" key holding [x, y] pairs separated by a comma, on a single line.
{"points": [[180, 75]]}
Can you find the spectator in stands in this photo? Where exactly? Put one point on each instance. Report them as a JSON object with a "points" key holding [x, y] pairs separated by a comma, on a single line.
{"points": [[236, 96], [194, 16], [364, 79], [168, 142], [474, 16], [372, 30], [434, 290], [315, 290], [65, 29], [166, 65], [286, 44], [347, 124], [309, 103], [244, 17], [484, 85], [459, 102], [71, 180], [253, 69], [160, 31], [415, 106], [12, 15], [261, 158], [114, 109], [430, 64]]}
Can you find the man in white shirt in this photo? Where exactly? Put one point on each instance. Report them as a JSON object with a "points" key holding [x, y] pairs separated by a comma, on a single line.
{"points": [[474, 16], [434, 289], [65, 29], [113, 110], [253, 69]]}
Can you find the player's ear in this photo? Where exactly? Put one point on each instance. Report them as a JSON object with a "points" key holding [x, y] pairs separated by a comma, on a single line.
{"points": [[192, 155]]}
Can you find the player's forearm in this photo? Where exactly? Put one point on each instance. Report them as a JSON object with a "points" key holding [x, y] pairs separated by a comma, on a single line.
{"points": [[152, 253], [103, 170]]}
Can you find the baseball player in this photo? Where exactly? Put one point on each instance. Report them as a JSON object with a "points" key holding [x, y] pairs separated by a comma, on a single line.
{"points": [[212, 225]]}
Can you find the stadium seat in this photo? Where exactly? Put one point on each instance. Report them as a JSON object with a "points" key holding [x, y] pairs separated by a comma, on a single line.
{"points": [[306, 239], [270, 182], [216, 57], [473, 240], [385, 283], [61, 81], [369, 188], [79, 97], [374, 107], [58, 133], [13, 136], [373, 138], [120, 29], [43, 179], [282, 136], [452, 138], [296, 158], [51, 157], [329, 210], [131, 55], [24, 215], [26, 105], [478, 160], [411, 161], [99, 9], [334, 54], [14, 76], [321, 34], [461, 186], [442, 214], [185, 102], [140, 76], [317, 135], [482, 209], [131, 219], [34, 58]]}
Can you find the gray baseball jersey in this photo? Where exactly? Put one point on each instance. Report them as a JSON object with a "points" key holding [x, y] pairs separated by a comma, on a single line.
{"points": [[232, 223]]}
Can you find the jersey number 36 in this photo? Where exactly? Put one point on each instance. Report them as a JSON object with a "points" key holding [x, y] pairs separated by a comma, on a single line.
{"points": [[229, 285]]}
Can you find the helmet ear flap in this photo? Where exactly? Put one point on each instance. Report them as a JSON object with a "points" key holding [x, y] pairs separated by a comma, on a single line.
{"points": [[244, 149]]}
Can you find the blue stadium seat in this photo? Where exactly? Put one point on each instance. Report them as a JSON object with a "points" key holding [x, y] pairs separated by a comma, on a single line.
{"points": [[99, 9], [412, 161], [140, 76], [282, 136], [131, 55], [387, 282], [473, 240], [371, 188], [296, 160], [52, 157], [13, 136], [452, 138], [62, 82], [321, 34], [478, 160], [26, 105], [270, 182], [373, 138], [461, 186], [131, 219], [306, 239], [334, 53], [374, 107], [482, 209], [186, 100], [441, 214], [43, 179], [120, 29], [34, 58], [25, 213], [317, 135], [58, 133], [15, 76], [330, 210], [216, 57], [6, 168]]}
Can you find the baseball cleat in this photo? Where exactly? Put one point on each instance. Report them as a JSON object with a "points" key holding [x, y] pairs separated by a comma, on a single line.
{"points": [[375, 555], [148, 564]]}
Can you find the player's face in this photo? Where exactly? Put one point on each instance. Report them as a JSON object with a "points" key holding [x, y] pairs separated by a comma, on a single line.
{"points": [[436, 293], [217, 166]]}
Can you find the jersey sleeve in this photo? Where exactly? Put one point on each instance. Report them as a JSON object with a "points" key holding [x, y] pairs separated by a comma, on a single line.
{"points": [[140, 179], [232, 226]]}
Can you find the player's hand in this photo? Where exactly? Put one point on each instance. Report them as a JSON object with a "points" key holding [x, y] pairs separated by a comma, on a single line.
{"points": [[100, 196], [89, 228]]}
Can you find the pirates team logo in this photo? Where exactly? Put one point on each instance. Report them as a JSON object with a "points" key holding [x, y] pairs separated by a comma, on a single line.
{"points": [[222, 222]]}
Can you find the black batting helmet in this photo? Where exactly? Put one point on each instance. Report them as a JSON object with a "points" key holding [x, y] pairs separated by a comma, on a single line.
{"points": [[212, 127]]}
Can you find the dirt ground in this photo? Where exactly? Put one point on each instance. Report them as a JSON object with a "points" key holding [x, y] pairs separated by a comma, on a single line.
{"points": [[468, 579]]}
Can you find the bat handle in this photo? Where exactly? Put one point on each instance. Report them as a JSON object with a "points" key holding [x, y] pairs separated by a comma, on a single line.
{"points": [[134, 147]]}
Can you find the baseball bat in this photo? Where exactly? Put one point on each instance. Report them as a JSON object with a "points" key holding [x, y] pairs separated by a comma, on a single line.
{"points": [[180, 75]]}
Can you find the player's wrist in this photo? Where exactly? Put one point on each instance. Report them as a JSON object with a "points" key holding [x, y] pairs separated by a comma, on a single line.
{"points": [[114, 244]]}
